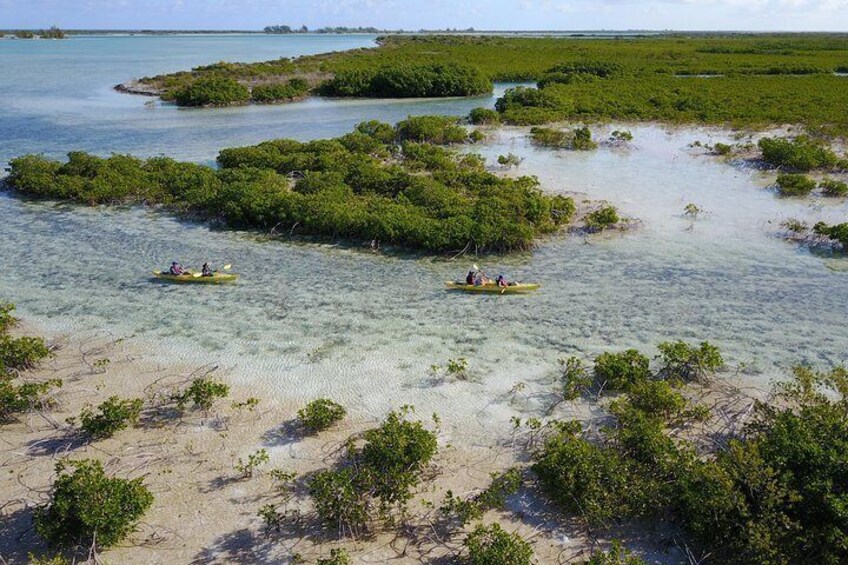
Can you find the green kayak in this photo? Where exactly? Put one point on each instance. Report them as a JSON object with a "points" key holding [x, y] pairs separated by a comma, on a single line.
{"points": [[513, 288], [197, 278]]}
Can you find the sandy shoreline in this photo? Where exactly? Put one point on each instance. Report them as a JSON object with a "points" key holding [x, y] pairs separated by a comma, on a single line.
{"points": [[205, 513]]}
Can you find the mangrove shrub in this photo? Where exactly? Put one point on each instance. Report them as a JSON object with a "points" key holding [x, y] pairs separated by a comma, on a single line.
{"points": [[86, 506]]}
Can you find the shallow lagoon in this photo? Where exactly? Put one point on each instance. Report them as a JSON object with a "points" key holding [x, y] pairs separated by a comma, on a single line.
{"points": [[309, 320]]}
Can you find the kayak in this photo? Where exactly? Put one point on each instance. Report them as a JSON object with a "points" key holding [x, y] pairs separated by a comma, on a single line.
{"points": [[517, 288], [216, 278]]}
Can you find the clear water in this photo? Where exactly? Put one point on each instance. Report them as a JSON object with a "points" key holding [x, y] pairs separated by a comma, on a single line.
{"points": [[308, 320]]}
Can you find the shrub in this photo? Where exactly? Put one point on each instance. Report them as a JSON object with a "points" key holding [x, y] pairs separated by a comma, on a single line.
{"points": [[24, 397], [794, 185], [509, 160], [654, 398], [684, 362], [484, 116], [212, 91], [833, 187], [620, 371], [87, 506], [19, 354], [113, 415], [381, 131], [340, 499], [722, 149], [550, 137], [466, 509], [395, 454], [491, 544], [581, 139], [320, 414], [337, 557], [274, 92], [254, 461], [584, 479], [692, 210], [409, 81], [440, 130], [7, 320], [601, 219], [801, 153], [836, 232], [620, 137], [575, 379], [202, 392]]}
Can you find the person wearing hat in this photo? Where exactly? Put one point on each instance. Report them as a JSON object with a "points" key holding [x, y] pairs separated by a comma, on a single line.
{"points": [[176, 269]]}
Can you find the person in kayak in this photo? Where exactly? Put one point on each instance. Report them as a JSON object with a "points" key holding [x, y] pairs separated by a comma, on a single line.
{"points": [[207, 270], [501, 281], [469, 278], [176, 269], [480, 279]]}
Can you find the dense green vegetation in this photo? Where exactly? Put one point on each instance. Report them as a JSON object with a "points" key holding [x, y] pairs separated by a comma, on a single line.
{"points": [[579, 139], [375, 183], [773, 493], [601, 219], [202, 393], [409, 81], [213, 91], [791, 184], [739, 80], [112, 416], [836, 232], [491, 544], [88, 508], [383, 472], [799, 154], [833, 187], [320, 414], [276, 92], [17, 355]]}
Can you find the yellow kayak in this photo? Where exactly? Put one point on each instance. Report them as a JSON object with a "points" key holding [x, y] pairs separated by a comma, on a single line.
{"points": [[514, 288], [216, 278]]}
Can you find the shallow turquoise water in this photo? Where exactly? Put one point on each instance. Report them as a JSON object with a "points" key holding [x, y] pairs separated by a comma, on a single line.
{"points": [[308, 320]]}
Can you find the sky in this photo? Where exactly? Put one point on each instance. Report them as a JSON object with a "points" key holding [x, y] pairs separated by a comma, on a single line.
{"points": [[755, 15]]}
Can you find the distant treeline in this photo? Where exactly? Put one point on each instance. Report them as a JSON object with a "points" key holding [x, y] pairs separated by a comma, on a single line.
{"points": [[52, 33], [283, 29]]}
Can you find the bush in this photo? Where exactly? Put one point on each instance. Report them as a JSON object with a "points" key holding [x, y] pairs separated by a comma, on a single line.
{"points": [[212, 91], [621, 371], [487, 545], [466, 509], [440, 130], [19, 354], [87, 506], [254, 461], [202, 393], [320, 414], [794, 185], [620, 137], [409, 81], [601, 219], [275, 92], [722, 149], [581, 139], [337, 557], [585, 479], [395, 454], [683, 362], [25, 397], [800, 154], [112, 416], [340, 498], [833, 187], [387, 467], [484, 116], [550, 137], [836, 232]]}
